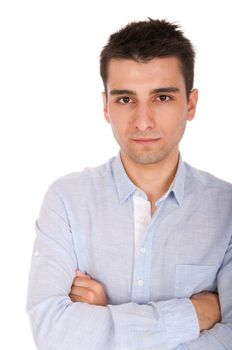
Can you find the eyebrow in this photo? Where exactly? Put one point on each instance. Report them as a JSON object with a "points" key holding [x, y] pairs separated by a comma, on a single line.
{"points": [[154, 91]]}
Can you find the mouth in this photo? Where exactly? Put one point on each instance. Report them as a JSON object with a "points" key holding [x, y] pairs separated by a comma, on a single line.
{"points": [[146, 141]]}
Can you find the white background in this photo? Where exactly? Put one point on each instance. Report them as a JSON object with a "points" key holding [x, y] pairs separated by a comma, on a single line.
{"points": [[51, 112]]}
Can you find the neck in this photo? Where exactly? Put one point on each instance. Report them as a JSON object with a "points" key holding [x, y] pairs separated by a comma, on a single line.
{"points": [[153, 179]]}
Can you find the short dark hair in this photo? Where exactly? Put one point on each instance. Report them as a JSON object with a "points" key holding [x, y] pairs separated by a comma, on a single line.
{"points": [[145, 40]]}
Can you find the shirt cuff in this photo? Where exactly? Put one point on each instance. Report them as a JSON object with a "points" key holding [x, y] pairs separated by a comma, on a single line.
{"points": [[180, 319]]}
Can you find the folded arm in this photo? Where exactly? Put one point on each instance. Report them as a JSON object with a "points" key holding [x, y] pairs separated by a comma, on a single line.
{"points": [[219, 337], [207, 307], [59, 323], [85, 289]]}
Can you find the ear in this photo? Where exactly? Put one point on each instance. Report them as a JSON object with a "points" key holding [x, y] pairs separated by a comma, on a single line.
{"points": [[105, 107], [192, 104]]}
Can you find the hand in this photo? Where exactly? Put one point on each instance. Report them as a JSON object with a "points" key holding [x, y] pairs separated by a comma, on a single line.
{"points": [[86, 290], [207, 308]]}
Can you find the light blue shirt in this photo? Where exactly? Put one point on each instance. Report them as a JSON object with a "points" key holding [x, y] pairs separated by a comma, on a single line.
{"points": [[87, 222]]}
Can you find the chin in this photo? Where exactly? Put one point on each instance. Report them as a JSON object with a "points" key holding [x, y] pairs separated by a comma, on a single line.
{"points": [[147, 158]]}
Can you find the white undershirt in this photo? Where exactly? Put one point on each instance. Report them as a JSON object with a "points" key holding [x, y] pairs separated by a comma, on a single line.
{"points": [[142, 218]]}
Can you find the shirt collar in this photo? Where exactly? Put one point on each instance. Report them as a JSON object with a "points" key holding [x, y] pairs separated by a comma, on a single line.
{"points": [[126, 187], [177, 186]]}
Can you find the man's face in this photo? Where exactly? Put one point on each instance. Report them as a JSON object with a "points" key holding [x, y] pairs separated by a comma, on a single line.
{"points": [[147, 107]]}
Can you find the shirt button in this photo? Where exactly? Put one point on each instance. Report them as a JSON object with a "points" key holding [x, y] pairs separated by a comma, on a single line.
{"points": [[143, 250], [36, 253], [140, 283]]}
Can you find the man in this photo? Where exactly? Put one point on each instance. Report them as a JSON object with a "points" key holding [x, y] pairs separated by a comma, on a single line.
{"points": [[137, 253]]}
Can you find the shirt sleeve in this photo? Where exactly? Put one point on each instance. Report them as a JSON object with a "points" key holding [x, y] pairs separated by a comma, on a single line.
{"points": [[220, 336], [58, 323]]}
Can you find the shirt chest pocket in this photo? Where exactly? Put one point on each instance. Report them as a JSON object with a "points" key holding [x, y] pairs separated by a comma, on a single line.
{"points": [[192, 279]]}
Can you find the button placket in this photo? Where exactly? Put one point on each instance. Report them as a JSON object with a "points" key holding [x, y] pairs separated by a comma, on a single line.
{"points": [[142, 218]]}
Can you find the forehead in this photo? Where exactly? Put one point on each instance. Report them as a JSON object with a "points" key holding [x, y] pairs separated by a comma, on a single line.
{"points": [[156, 72]]}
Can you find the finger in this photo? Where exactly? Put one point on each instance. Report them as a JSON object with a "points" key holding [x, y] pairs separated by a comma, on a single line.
{"points": [[76, 298], [83, 275], [79, 291], [84, 282], [87, 295], [80, 281]]}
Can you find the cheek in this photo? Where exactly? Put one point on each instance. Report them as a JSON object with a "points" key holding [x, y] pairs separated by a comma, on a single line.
{"points": [[118, 124], [172, 124], [117, 129], [178, 128]]}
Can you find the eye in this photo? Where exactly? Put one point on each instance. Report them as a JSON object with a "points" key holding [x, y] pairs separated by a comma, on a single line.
{"points": [[124, 100], [164, 98]]}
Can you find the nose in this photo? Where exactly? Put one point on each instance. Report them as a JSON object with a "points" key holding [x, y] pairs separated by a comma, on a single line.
{"points": [[144, 117]]}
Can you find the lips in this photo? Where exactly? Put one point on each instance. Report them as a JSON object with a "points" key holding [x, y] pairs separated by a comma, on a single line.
{"points": [[145, 141]]}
